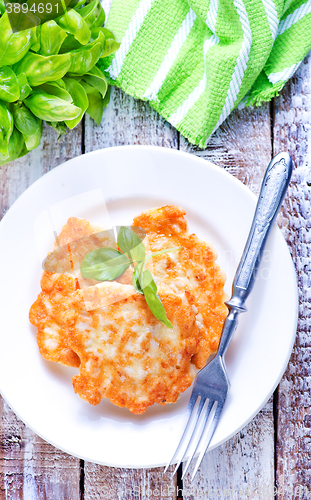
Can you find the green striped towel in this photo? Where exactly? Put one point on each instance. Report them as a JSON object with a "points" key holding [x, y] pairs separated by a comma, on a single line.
{"points": [[196, 60]]}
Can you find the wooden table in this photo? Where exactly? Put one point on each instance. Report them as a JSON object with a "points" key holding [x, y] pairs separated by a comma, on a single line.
{"points": [[273, 453]]}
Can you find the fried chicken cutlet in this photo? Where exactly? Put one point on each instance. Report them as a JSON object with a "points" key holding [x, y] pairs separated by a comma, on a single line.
{"points": [[107, 330], [53, 312]]}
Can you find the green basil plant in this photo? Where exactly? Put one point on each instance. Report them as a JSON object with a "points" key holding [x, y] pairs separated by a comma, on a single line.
{"points": [[51, 72]]}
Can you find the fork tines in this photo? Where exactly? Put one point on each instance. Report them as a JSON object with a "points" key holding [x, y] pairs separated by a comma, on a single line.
{"points": [[201, 421]]}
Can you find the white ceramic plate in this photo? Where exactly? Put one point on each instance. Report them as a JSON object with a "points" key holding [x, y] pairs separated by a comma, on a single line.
{"points": [[132, 179]]}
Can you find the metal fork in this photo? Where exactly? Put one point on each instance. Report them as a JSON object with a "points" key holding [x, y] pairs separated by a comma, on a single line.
{"points": [[211, 384]]}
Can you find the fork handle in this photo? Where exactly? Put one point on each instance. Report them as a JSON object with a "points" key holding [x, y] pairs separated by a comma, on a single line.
{"points": [[273, 189]]}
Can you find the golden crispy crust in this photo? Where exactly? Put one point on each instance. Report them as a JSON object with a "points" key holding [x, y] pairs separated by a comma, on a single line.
{"points": [[134, 360], [191, 271], [52, 313], [123, 352]]}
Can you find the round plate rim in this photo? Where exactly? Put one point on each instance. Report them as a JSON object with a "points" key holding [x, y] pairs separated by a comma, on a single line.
{"points": [[205, 164]]}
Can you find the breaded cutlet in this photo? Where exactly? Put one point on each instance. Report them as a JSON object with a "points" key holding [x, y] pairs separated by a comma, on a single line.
{"points": [[107, 330]]}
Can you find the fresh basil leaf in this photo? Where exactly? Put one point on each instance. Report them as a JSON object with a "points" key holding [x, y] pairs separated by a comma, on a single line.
{"points": [[136, 278], [9, 86], [6, 129], [89, 89], [85, 58], [104, 264], [131, 244], [138, 253], [51, 38], [25, 89], [52, 88], [161, 252], [89, 12], [100, 18], [43, 69], [96, 105], [70, 43], [24, 120], [59, 127], [51, 108], [14, 148], [73, 23], [79, 97], [96, 29], [111, 46], [23, 152], [106, 99], [75, 4], [153, 300], [2, 7], [33, 141], [146, 280], [99, 82]]}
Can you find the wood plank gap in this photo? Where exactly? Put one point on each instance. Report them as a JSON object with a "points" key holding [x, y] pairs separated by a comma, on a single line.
{"points": [[243, 467], [292, 133], [275, 425], [30, 468], [83, 135], [180, 483], [276, 392], [81, 479], [272, 115], [128, 121]]}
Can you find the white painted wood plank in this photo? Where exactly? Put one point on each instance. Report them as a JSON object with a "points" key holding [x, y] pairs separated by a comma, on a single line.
{"points": [[128, 484], [242, 468], [128, 121], [242, 145], [292, 132], [18, 175], [30, 468]]}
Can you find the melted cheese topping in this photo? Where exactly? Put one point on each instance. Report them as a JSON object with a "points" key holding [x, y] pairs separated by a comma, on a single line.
{"points": [[123, 352], [191, 273], [130, 357]]}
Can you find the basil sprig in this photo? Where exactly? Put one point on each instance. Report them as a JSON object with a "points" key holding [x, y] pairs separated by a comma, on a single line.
{"points": [[104, 264], [107, 264], [131, 244]]}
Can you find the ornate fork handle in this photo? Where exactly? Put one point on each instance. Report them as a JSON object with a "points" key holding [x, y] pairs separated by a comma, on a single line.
{"points": [[272, 192]]}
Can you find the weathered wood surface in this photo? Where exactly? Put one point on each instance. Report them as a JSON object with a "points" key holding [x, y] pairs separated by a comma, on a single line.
{"points": [[240, 469], [242, 145], [127, 484], [292, 131], [244, 467], [127, 121], [30, 468]]}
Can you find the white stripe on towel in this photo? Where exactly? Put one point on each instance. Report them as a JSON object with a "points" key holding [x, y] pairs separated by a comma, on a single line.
{"points": [[181, 112], [172, 53], [284, 75], [294, 17], [272, 16], [241, 63], [130, 34]]}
